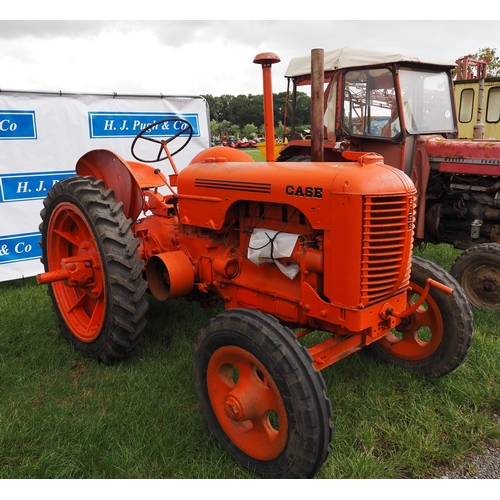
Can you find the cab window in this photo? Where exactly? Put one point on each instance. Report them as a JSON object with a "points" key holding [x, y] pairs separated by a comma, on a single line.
{"points": [[427, 101], [466, 106], [370, 103], [493, 105]]}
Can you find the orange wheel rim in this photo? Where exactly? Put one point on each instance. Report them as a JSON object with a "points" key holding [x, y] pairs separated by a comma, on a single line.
{"points": [[247, 403], [421, 336], [83, 308]]}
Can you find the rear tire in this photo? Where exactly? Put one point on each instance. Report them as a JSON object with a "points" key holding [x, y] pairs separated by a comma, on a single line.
{"points": [[435, 339], [81, 217], [261, 396], [478, 272]]}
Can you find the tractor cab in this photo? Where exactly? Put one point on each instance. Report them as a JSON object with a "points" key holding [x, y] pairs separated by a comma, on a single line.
{"points": [[376, 102]]}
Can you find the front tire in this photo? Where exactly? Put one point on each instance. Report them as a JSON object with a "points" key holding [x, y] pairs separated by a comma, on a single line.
{"points": [[478, 272], [261, 396], [103, 321], [435, 339]]}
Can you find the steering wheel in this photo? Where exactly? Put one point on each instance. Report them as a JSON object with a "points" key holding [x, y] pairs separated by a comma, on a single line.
{"points": [[163, 142]]}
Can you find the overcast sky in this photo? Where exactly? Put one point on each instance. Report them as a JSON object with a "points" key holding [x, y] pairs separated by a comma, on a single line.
{"points": [[192, 57]]}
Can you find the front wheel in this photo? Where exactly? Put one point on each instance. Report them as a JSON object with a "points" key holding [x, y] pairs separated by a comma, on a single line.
{"points": [[478, 272], [435, 339], [261, 396]]}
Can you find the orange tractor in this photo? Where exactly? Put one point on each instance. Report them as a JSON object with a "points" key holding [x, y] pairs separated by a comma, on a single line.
{"points": [[324, 256]]}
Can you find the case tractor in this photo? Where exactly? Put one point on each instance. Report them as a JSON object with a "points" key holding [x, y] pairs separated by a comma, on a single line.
{"points": [[404, 109], [312, 262]]}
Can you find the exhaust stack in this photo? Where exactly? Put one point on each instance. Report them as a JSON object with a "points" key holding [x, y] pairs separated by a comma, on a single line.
{"points": [[266, 60]]}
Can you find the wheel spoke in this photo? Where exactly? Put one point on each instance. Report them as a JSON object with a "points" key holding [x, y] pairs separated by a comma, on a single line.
{"points": [[170, 139], [97, 316], [150, 139], [160, 152], [77, 305], [70, 238], [423, 317], [263, 399], [84, 314]]}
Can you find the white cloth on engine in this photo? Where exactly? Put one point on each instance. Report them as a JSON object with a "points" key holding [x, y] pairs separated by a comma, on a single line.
{"points": [[268, 246]]}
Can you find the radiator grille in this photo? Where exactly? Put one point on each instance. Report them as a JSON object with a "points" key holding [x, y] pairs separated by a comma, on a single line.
{"points": [[386, 239]]}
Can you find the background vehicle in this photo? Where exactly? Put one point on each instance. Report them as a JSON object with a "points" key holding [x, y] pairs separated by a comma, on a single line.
{"points": [[477, 99], [324, 259], [245, 143], [458, 180]]}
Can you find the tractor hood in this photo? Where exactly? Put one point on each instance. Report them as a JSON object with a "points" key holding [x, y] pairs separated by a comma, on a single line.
{"points": [[209, 189], [464, 156]]}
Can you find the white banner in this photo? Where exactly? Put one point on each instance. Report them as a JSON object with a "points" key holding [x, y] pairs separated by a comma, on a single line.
{"points": [[42, 136]]}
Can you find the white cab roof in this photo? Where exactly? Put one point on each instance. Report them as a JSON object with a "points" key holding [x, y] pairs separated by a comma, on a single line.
{"points": [[347, 57]]}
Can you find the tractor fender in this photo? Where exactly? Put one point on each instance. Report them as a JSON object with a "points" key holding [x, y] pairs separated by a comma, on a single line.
{"points": [[127, 179]]}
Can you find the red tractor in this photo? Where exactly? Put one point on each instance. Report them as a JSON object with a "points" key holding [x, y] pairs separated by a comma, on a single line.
{"points": [[325, 256], [403, 108]]}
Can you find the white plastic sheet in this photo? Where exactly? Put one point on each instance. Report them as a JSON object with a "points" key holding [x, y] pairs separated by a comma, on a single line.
{"points": [[268, 246]]}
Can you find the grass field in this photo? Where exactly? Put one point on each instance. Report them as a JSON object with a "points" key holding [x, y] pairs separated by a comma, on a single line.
{"points": [[63, 416]]}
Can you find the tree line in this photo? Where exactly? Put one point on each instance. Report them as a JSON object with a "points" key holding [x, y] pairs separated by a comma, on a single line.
{"points": [[243, 115]]}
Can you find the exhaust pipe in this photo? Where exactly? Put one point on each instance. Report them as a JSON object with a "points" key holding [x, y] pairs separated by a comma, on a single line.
{"points": [[266, 60]]}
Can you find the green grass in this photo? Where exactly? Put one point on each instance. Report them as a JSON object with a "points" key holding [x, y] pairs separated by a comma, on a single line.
{"points": [[63, 416], [255, 154]]}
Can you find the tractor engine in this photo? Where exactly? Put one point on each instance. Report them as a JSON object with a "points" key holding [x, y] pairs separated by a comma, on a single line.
{"points": [[322, 249], [463, 210]]}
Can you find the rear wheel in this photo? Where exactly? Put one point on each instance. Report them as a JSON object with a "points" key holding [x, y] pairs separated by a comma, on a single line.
{"points": [[435, 339], [261, 396], [478, 272], [102, 316]]}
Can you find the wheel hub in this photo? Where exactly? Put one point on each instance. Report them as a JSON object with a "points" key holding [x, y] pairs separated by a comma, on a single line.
{"points": [[488, 286], [245, 404], [233, 409], [75, 272], [478, 271], [483, 284]]}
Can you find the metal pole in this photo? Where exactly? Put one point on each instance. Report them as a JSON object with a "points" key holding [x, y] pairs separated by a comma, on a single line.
{"points": [[479, 126], [317, 104]]}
